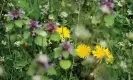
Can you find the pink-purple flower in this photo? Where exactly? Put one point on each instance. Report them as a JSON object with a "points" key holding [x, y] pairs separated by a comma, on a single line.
{"points": [[33, 25], [51, 27], [14, 14], [66, 46], [107, 6], [43, 59]]}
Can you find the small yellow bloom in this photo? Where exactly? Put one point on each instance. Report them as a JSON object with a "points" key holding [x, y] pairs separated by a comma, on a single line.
{"points": [[99, 52], [63, 32], [109, 56], [83, 50]]}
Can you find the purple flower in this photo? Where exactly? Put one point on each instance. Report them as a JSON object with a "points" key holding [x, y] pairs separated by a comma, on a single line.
{"points": [[43, 60], [16, 14], [66, 46], [51, 27], [107, 6], [108, 3], [33, 25], [46, 65]]}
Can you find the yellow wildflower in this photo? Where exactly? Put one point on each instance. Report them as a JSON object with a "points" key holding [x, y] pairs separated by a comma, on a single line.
{"points": [[99, 52], [63, 32], [109, 57], [83, 50]]}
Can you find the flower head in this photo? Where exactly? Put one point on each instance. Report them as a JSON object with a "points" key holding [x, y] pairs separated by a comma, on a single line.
{"points": [[33, 25], [16, 14], [101, 52], [107, 6], [66, 46], [83, 50], [43, 59], [63, 32], [109, 56], [51, 27]]}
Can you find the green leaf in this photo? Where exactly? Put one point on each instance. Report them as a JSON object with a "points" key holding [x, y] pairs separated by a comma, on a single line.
{"points": [[109, 19], [31, 70], [65, 54], [65, 64], [41, 32], [21, 63], [74, 52], [41, 41], [9, 27], [26, 34], [51, 70], [55, 37], [23, 4], [57, 52], [18, 23], [95, 20]]}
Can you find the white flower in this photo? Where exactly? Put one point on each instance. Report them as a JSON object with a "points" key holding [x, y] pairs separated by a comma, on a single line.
{"points": [[63, 14], [2, 59], [123, 65], [81, 32], [119, 4], [121, 44], [17, 43], [130, 35], [3, 42], [129, 12], [90, 59], [51, 17], [42, 58], [105, 9], [103, 43], [36, 77]]}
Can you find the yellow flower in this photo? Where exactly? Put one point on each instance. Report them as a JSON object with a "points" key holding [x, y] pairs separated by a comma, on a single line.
{"points": [[99, 52], [83, 50], [109, 56], [63, 32]]}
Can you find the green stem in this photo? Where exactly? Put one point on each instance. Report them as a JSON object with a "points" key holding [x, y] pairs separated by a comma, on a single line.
{"points": [[2, 9], [71, 70], [129, 76], [9, 48]]}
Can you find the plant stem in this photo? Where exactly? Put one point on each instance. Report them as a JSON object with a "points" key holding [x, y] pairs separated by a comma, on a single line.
{"points": [[129, 76], [71, 70], [2, 9]]}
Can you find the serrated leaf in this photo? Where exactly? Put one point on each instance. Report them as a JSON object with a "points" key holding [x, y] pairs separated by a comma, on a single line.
{"points": [[18, 23], [9, 27], [41, 32], [26, 34], [65, 54], [41, 41], [65, 64], [51, 70], [55, 37], [57, 52], [109, 19]]}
